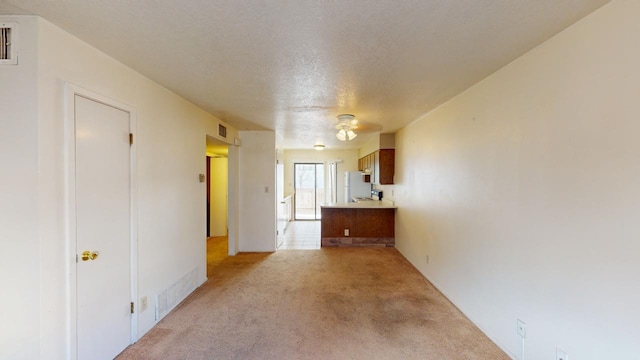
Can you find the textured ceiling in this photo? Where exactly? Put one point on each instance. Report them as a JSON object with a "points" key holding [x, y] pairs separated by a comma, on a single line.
{"points": [[292, 66]]}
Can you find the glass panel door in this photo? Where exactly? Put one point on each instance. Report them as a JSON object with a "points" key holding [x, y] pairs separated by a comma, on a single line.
{"points": [[309, 190]]}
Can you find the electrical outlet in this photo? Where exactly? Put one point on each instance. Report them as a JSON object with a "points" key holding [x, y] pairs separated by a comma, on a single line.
{"points": [[522, 329], [346, 232], [561, 355], [143, 304]]}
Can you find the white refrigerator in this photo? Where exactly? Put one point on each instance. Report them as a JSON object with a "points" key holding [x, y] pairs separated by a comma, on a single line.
{"points": [[354, 186]]}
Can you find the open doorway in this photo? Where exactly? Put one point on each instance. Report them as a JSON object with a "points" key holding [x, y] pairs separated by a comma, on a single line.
{"points": [[308, 190], [217, 179]]}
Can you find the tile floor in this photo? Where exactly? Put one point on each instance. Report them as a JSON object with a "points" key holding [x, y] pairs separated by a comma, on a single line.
{"points": [[301, 235]]}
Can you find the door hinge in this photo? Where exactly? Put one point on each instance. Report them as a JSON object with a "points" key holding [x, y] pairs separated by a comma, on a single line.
{"points": [[132, 307], [130, 139]]}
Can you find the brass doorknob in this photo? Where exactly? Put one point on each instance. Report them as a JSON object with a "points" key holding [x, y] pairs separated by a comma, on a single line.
{"points": [[89, 255]]}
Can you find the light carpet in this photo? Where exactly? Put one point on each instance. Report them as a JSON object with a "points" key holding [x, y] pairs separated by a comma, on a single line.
{"points": [[346, 303]]}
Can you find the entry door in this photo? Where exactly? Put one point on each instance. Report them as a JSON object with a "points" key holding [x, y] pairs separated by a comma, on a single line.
{"points": [[103, 293]]}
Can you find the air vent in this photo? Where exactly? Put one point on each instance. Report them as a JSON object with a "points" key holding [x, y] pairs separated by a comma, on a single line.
{"points": [[8, 54], [222, 131]]}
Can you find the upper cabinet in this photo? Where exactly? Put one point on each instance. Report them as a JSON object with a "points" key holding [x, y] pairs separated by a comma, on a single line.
{"points": [[384, 167], [378, 167]]}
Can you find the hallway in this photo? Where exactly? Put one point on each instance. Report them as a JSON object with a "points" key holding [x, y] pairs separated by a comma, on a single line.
{"points": [[300, 235], [217, 251]]}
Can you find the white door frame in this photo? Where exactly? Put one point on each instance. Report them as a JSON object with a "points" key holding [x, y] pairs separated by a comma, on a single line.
{"points": [[70, 91]]}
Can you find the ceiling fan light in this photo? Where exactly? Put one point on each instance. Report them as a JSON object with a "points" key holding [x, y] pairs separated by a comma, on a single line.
{"points": [[346, 124]]}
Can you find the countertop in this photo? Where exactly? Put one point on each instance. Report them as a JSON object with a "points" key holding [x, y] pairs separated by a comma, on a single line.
{"points": [[362, 205]]}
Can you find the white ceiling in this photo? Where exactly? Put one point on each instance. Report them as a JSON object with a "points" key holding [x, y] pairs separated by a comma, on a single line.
{"points": [[292, 66]]}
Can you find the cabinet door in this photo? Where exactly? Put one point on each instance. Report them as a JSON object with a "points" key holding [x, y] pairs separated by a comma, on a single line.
{"points": [[386, 166], [371, 160], [375, 171], [367, 167]]}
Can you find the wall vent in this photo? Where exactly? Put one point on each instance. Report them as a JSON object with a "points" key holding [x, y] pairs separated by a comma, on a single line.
{"points": [[222, 131], [170, 297], [8, 53]]}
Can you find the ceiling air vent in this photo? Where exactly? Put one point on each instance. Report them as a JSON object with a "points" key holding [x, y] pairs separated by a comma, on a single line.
{"points": [[222, 131], [8, 54]]}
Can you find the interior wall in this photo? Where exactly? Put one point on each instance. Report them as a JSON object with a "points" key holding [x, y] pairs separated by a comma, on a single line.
{"points": [[218, 196], [233, 192], [370, 146], [349, 162], [257, 191], [19, 235], [523, 193], [170, 141]]}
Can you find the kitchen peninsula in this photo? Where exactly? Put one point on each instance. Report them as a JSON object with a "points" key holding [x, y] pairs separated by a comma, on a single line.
{"points": [[362, 224]]}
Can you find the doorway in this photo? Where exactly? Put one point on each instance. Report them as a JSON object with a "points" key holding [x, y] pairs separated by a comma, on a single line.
{"points": [[217, 182], [100, 208], [308, 190]]}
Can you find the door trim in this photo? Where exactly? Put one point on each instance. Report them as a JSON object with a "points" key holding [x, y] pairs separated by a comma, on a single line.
{"points": [[70, 92]]}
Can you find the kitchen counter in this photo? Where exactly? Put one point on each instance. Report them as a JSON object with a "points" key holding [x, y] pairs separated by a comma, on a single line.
{"points": [[363, 224], [373, 204]]}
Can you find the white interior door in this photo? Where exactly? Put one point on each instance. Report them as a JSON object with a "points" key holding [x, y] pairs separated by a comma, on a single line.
{"points": [[103, 203]]}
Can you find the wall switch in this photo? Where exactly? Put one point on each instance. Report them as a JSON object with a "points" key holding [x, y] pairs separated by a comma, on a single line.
{"points": [[346, 232], [522, 329], [143, 304], [561, 355], [427, 259]]}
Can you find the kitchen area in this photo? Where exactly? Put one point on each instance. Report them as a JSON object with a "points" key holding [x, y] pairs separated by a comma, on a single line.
{"points": [[354, 200], [365, 218]]}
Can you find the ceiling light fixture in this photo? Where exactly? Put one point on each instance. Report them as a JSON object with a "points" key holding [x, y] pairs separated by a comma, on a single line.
{"points": [[346, 124], [318, 147]]}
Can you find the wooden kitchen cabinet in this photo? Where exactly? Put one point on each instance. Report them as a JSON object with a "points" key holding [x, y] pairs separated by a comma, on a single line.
{"points": [[366, 227], [380, 165], [367, 162], [385, 167]]}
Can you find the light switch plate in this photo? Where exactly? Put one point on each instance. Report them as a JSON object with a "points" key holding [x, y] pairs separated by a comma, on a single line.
{"points": [[522, 329]]}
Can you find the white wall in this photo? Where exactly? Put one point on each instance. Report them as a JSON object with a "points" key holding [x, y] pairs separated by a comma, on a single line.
{"points": [[257, 191], [370, 146], [233, 192], [349, 163], [170, 140], [218, 196], [523, 191], [19, 236]]}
